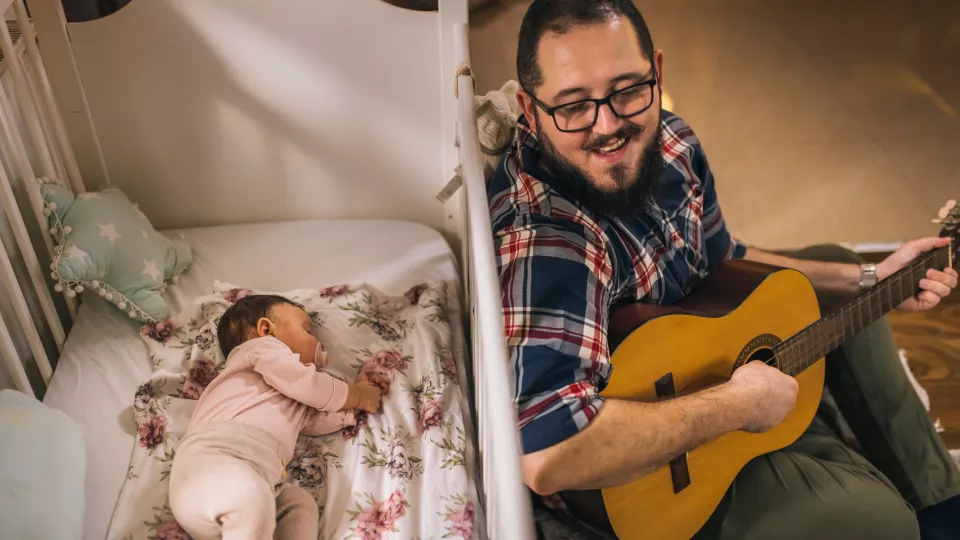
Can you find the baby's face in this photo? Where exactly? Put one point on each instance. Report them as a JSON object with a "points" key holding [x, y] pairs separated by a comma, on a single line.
{"points": [[294, 328]]}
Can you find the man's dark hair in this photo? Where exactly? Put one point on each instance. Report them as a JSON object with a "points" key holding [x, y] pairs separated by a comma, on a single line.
{"points": [[241, 318], [559, 16]]}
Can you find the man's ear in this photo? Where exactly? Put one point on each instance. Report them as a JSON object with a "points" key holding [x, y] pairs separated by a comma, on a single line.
{"points": [[658, 64], [264, 327], [529, 108]]}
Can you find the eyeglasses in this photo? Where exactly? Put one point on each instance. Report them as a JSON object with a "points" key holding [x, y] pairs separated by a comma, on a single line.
{"points": [[581, 115]]}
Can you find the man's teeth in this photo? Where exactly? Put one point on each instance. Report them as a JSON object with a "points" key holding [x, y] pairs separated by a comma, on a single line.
{"points": [[614, 146]]}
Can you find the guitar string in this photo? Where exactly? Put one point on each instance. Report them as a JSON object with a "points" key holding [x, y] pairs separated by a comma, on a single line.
{"points": [[877, 293], [919, 263]]}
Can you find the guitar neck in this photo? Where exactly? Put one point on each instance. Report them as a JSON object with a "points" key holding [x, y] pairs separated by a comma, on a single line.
{"points": [[814, 342]]}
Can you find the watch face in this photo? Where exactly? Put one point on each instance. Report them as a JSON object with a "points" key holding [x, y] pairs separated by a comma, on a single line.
{"points": [[868, 275]]}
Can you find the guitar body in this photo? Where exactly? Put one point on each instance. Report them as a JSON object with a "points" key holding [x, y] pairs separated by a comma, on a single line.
{"points": [[735, 315]]}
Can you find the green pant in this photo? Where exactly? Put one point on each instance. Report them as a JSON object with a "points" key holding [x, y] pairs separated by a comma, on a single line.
{"points": [[818, 488]]}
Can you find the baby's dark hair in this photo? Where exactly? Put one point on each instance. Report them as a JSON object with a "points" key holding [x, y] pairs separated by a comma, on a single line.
{"points": [[240, 320]]}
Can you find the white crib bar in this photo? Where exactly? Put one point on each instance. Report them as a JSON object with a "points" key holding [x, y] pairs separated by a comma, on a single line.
{"points": [[13, 58], [10, 207], [9, 354], [60, 171], [65, 149], [9, 280], [507, 504], [27, 109]]}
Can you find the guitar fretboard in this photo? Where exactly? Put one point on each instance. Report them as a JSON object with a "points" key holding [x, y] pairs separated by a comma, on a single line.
{"points": [[815, 341]]}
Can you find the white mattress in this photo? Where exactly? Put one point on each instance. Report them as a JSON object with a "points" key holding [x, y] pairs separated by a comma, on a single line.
{"points": [[104, 359]]}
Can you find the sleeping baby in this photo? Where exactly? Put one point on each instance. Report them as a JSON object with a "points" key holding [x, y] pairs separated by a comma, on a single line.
{"points": [[225, 480]]}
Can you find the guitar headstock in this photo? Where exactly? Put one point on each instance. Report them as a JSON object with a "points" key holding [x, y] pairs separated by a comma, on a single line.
{"points": [[949, 217]]}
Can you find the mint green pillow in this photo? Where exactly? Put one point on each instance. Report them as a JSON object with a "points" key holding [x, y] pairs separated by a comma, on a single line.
{"points": [[104, 243], [42, 472]]}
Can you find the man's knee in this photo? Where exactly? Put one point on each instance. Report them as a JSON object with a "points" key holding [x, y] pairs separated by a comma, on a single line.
{"points": [[878, 514]]}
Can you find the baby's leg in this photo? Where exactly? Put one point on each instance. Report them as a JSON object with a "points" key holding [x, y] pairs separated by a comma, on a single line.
{"points": [[298, 517], [216, 496]]}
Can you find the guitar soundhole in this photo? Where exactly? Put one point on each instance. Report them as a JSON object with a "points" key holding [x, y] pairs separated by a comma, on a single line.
{"points": [[766, 356], [760, 348]]}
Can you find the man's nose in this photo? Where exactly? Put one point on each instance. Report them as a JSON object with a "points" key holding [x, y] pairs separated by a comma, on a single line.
{"points": [[607, 122]]}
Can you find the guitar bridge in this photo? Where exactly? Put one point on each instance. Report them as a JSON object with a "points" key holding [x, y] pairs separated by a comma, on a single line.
{"points": [[679, 471]]}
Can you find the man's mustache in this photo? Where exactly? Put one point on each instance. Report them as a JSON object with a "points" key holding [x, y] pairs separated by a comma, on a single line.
{"points": [[628, 130]]}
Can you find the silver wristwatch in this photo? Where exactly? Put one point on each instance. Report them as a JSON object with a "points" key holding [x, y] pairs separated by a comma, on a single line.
{"points": [[868, 276]]}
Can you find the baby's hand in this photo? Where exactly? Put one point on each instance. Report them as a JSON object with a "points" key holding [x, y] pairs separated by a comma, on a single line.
{"points": [[368, 397]]}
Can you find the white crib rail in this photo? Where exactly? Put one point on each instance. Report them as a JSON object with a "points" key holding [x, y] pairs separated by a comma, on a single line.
{"points": [[507, 504], [32, 104]]}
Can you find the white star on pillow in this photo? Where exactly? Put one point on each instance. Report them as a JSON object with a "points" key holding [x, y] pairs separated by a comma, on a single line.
{"points": [[150, 269], [108, 231], [76, 254]]}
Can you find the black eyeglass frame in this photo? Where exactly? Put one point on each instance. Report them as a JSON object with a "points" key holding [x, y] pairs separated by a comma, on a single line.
{"points": [[599, 103]]}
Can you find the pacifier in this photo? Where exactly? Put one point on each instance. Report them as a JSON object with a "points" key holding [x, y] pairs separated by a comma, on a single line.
{"points": [[320, 356]]}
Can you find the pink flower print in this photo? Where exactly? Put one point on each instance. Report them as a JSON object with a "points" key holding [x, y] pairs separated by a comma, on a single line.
{"points": [[201, 373], [161, 331], [379, 378], [432, 415], [415, 292], [389, 360], [191, 390], [152, 431], [233, 295], [380, 517], [461, 521], [392, 509], [170, 530], [362, 419], [333, 292], [449, 367], [368, 525]]}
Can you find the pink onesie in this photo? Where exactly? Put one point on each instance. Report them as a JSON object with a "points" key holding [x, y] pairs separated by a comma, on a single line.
{"points": [[265, 386]]}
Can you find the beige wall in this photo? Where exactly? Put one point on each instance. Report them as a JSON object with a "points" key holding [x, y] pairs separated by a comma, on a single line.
{"points": [[823, 121]]}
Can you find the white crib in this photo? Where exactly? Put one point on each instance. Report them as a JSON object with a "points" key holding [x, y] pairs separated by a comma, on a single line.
{"points": [[220, 112]]}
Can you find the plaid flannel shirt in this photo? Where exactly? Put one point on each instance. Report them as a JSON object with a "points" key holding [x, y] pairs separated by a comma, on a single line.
{"points": [[562, 268]]}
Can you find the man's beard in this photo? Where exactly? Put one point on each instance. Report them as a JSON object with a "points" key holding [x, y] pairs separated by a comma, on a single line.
{"points": [[632, 197]]}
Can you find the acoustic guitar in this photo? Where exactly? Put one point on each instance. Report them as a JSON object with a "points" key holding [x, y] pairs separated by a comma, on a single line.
{"points": [[741, 312]]}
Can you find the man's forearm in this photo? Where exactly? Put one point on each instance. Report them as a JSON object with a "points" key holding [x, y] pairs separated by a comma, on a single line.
{"points": [[628, 440], [835, 279]]}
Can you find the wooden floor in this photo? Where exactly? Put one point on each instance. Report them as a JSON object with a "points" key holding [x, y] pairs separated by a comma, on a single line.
{"points": [[932, 343]]}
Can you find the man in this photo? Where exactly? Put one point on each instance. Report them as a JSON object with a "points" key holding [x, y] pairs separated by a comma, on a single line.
{"points": [[608, 198]]}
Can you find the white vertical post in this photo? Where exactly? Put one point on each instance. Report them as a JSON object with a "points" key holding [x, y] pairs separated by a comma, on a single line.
{"points": [[451, 12], [29, 37], [45, 127], [37, 274], [22, 310], [508, 510], [27, 110], [60, 67], [9, 353]]}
